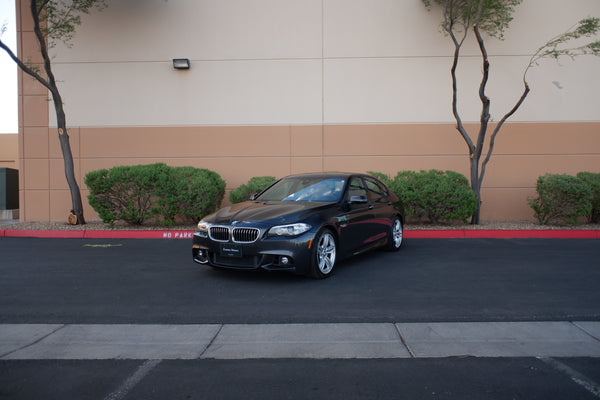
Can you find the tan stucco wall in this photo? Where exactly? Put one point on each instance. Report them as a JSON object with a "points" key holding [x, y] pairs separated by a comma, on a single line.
{"points": [[523, 152], [281, 86], [9, 151], [289, 62]]}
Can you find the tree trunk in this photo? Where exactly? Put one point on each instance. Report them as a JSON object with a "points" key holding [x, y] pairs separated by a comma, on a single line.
{"points": [[476, 176], [65, 146], [61, 121], [76, 203], [476, 186]]}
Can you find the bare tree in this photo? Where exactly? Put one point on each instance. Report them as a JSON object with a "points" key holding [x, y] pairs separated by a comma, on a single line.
{"points": [[56, 20], [492, 17]]}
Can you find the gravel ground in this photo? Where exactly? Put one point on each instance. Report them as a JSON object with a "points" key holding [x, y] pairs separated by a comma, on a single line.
{"points": [[99, 225]]}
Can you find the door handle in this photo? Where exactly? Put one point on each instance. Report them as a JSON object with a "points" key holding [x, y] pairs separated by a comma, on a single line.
{"points": [[371, 206]]}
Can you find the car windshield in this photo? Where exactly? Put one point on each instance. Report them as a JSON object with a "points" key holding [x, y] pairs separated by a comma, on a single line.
{"points": [[305, 188]]}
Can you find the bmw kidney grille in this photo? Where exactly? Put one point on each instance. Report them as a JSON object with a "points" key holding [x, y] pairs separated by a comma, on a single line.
{"points": [[239, 235]]}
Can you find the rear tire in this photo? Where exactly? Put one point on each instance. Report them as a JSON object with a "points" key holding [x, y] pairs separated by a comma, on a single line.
{"points": [[396, 235], [323, 255]]}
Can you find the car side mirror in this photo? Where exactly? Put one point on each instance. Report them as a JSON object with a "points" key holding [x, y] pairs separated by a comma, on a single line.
{"points": [[358, 199]]}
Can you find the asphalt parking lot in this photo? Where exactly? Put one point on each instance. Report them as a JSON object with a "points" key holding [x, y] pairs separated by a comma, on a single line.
{"points": [[494, 302], [444, 378], [140, 281]]}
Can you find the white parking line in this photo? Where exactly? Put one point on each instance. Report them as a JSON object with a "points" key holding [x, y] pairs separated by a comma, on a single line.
{"points": [[133, 380], [575, 376]]}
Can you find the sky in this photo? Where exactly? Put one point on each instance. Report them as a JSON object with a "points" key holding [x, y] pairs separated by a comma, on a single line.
{"points": [[9, 121]]}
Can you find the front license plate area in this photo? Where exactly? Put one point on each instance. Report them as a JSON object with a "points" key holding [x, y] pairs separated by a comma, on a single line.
{"points": [[231, 250]]}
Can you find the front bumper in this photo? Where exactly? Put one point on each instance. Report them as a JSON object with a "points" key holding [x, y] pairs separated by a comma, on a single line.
{"points": [[269, 253]]}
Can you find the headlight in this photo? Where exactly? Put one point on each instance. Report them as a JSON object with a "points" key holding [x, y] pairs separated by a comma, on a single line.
{"points": [[203, 229], [289, 230]]}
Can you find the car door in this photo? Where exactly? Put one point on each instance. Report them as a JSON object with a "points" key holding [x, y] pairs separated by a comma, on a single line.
{"points": [[357, 226], [379, 201]]}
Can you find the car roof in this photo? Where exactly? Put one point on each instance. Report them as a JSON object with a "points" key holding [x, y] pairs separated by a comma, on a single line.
{"points": [[327, 174]]}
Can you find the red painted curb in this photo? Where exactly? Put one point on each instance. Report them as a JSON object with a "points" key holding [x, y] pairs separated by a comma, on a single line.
{"points": [[435, 234], [138, 234], [503, 234], [533, 233], [409, 234], [141, 234], [43, 234]]}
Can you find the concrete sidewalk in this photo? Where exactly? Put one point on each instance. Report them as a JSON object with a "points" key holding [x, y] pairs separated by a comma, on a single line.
{"points": [[317, 341]]}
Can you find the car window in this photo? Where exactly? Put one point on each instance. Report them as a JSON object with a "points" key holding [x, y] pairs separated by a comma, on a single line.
{"points": [[320, 189], [374, 190], [356, 188]]}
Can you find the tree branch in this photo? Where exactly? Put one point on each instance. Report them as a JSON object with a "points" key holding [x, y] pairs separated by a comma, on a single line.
{"points": [[42, 6], [459, 124], [44, 51], [587, 27], [485, 101], [28, 70], [499, 126]]}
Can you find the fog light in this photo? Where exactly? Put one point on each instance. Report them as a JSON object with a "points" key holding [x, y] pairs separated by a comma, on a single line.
{"points": [[284, 261], [201, 256]]}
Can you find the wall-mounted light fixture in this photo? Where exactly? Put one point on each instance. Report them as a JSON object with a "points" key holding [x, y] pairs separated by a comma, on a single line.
{"points": [[181, 63]]}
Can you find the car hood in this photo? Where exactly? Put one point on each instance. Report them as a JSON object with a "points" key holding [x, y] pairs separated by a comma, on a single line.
{"points": [[260, 211]]}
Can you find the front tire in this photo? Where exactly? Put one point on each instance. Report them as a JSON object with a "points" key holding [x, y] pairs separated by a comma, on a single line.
{"points": [[323, 255], [396, 235]]}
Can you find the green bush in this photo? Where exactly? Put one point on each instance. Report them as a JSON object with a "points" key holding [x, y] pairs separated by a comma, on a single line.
{"points": [[254, 185], [435, 195], [137, 193], [124, 192], [593, 181], [562, 199], [188, 193]]}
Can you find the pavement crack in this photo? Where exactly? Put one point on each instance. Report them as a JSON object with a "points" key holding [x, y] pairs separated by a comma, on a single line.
{"points": [[412, 355], [34, 342], [211, 342], [585, 331]]}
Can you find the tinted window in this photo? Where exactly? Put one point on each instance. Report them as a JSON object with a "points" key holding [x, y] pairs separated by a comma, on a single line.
{"points": [[356, 188], [374, 189]]}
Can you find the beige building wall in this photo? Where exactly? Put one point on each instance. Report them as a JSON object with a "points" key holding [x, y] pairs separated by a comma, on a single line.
{"points": [[281, 86], [9, 151]]}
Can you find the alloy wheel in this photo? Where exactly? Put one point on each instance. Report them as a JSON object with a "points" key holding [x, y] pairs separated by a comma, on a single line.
{"points": [[326, 252], [397, 233]]}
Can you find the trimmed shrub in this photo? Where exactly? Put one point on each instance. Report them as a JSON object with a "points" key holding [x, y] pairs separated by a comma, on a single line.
{"points": [[562, 199], [124, 192], [593, 181], [137, 193], [254, 185], [188, 193], [434, 194]]}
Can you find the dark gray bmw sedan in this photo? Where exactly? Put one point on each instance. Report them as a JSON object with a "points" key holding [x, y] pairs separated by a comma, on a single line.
{"points": [[304, 224]]}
